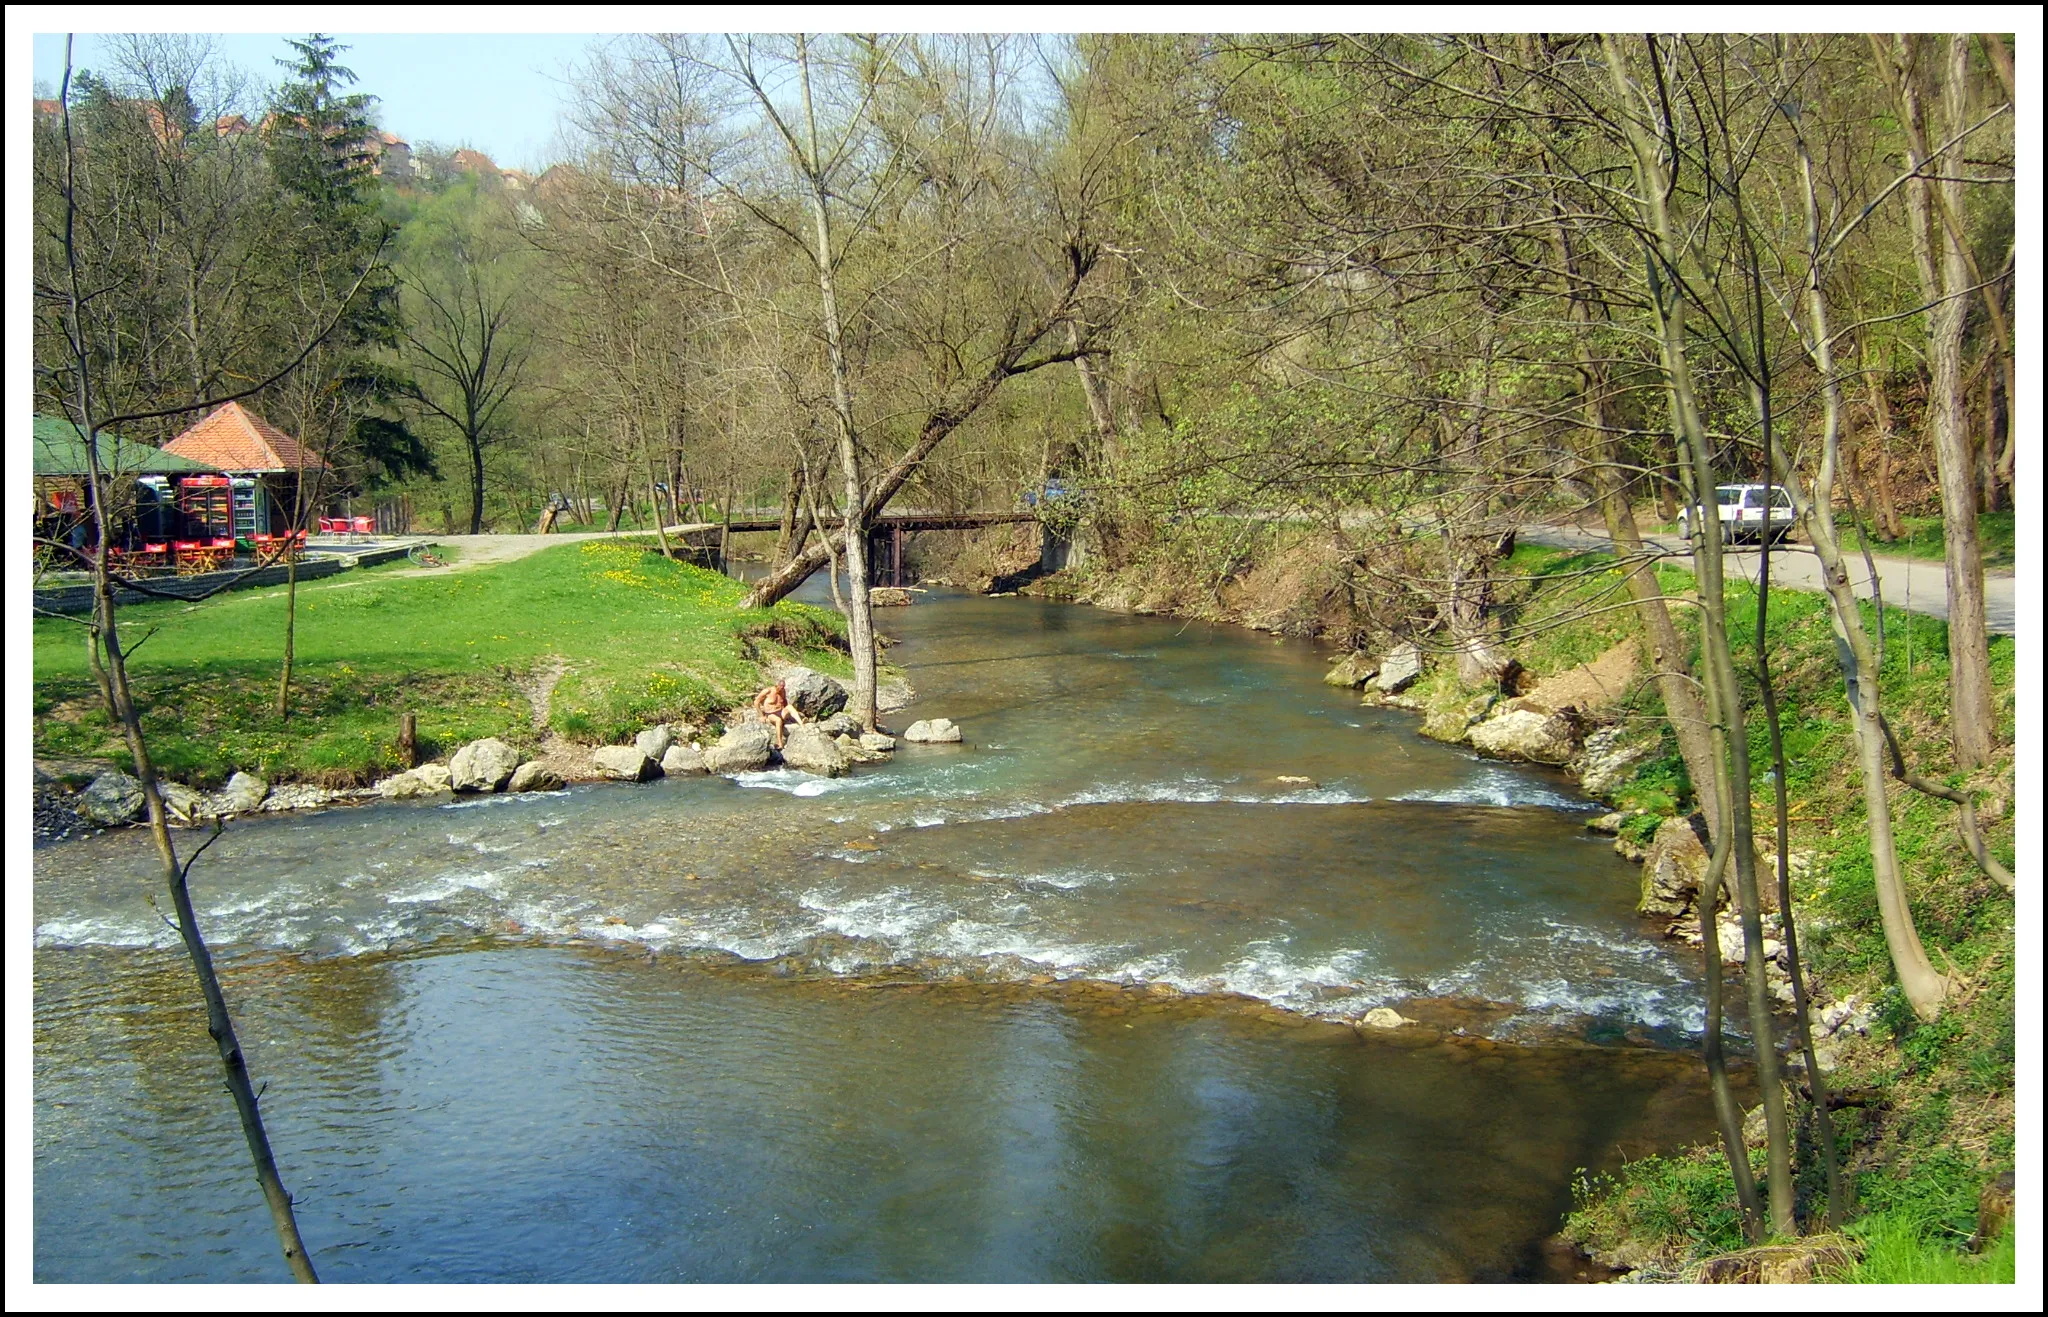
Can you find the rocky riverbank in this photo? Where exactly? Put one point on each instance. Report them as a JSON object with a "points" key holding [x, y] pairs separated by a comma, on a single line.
{"points": [[80, 798]]}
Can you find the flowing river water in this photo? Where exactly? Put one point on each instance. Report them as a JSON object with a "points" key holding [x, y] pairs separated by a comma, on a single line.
{"points": [[1065, 1002]]}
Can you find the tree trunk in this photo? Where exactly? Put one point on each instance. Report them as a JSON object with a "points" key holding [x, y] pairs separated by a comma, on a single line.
{"points": [[1684, 710], [1945, 285], [1925, 989], [860, 617], [476, 484], [1879, 459], [291, 623], [1724, 700]]}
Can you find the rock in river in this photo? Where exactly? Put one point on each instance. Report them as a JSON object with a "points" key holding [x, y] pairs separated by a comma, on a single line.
{"points": [[411, 785], [535, 776], [1399, 669], [681, 760], [1536, 735], [1672, 870], [814, 694], [484, 765], [840, 724], [932, 731], [807, 749], [624, 763], [1353, 670], [112, 799], [182, 803], [743, 749], [243, 793], [876, 742]]}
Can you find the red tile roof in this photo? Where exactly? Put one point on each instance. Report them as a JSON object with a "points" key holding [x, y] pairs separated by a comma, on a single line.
{"points": [[236, 439]]}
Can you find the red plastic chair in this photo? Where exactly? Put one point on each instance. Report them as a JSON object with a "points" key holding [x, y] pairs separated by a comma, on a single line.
{"points": [[364, 525]]}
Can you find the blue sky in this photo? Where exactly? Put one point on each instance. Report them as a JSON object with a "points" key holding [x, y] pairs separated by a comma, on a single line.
{"points": [[499, 93]]}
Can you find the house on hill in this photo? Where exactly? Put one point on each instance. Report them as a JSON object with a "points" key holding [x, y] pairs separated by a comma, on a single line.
{"points": [[268, 477], [472, 161], [390, 155]]}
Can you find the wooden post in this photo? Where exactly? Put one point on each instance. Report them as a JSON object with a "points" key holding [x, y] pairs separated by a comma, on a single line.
{"points": [[408, 741]]}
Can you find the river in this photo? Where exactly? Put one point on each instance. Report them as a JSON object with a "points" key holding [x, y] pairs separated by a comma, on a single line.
{"points": [[1066, 1002]]}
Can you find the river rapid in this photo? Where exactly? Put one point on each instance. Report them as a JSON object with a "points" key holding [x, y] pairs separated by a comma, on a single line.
{"points": [[1070, 1001]]}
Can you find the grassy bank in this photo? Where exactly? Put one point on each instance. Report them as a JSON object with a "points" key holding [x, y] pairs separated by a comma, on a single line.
{"points": [[1939, 1116], [1938, 1120], [639, 640]]}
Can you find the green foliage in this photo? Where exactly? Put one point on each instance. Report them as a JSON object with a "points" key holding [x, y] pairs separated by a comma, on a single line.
{"points": [[1687, 1202], [1897, 1252], [1641, 828]]}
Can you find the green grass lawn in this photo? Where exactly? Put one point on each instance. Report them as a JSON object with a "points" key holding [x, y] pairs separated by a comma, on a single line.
{"points": [[642, 640]]}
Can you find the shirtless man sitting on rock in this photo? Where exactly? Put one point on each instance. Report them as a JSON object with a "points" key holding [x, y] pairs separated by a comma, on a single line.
{"points": [[775, 709]]}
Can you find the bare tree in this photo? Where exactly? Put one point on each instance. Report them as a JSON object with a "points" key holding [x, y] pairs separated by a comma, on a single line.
{"points": [[463, 341]]}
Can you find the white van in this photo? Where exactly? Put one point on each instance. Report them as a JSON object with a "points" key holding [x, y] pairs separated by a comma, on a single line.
{"points": [[1744, 514]]}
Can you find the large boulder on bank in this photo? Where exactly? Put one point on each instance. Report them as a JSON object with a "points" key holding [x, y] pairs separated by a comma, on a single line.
{"points": [[814, 694], [243, 794], [435, 776], [932, 731], [807, 749], [1674, 867], [624, 763], [1536, 735], [655, 741], [1399, 669], [1352, 671], [484, 765], [743, 749], [535, 776], [682, 760], [111, 799]]}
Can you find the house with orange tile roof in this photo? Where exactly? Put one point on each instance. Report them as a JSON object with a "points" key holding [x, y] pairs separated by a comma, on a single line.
{"points": [[268, 471]]}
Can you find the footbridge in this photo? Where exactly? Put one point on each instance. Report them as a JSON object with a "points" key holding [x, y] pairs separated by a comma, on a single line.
{"points": [[885, 535]]}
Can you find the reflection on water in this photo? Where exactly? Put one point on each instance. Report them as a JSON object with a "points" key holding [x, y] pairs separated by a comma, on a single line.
{"points": [[841, 1029], [550, 1114]]}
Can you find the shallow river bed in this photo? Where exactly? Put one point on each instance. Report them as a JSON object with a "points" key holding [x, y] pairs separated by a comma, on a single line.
{"points": [[1053, 1004]]}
